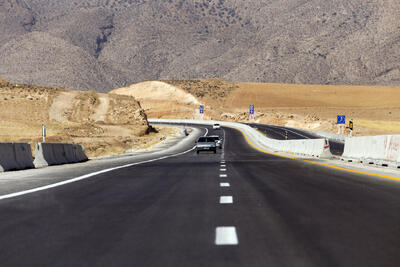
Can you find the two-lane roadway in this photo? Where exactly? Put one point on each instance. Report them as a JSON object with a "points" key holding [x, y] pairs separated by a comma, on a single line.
{"points": [[239, 207]]}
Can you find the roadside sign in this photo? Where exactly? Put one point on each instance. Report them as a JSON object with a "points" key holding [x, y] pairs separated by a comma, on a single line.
{"points": [[341, 119], [351, 127], [44, 133], [201, 109], [251, 107]]}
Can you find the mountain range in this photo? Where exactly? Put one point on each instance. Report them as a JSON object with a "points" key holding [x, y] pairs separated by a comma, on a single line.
{"points": [[105, 44]]}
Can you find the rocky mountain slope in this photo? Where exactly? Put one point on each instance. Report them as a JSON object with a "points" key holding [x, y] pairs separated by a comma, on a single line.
{"points": [[106, 44]]}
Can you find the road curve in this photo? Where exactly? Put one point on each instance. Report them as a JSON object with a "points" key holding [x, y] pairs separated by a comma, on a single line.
{"points": [[239, 207], [278, 132]]}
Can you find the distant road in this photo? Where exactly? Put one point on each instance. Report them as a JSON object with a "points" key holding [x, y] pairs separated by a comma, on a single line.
{"points": [[239, 207], [278, 132]]}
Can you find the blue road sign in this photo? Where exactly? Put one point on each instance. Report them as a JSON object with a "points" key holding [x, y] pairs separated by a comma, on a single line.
{"points": [[201, 109], [341, 119], [251, 107]]}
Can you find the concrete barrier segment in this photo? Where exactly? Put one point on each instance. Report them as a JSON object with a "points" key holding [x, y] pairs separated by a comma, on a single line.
{"points": [[48, 154], [80, 153], [383, 150], [23, 156], [15, 156]]}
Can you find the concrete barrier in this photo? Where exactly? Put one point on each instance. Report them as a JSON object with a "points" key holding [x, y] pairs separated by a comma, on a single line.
{"points": [[79, 153], [306, 147], [398, 161], [381, 150], [336, 137], [48, 154], [15, 156]]}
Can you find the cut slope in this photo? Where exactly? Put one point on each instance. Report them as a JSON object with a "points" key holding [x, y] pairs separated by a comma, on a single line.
{"points": [[103, 123], [157, 91], [161, 99]]}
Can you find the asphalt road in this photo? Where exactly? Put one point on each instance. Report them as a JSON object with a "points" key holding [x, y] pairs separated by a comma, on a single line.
{"points": [[279, 132], [168, 213]]}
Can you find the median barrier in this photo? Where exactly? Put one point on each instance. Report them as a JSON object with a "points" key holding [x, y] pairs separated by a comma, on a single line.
{"points": [[70, 153], [306, 147], [23, 156], [381, 150], [48, 154], [398, 161], [15, 156], [336, 137], [80, 153]]}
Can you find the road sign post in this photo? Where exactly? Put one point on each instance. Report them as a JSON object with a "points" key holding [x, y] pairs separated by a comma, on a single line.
{"points": [[341, 121], [351, 127], [201, 109], [251, 111], [44, 133]]}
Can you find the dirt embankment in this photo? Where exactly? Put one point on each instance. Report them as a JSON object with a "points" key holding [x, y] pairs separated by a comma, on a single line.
{"points": [[104, 124], [161, 99], [180, 98], [374, 109]]}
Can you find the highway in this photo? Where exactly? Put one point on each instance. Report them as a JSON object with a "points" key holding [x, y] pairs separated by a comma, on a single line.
{"points": [[279, 132], [239, 207]]}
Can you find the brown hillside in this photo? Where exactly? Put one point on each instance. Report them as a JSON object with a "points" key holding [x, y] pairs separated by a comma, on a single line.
{"points": [[101, 45], [103, 124], [375, 109]]}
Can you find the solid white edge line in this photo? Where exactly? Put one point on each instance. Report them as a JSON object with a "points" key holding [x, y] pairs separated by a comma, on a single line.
{"points": [[226, 200], [224, 185], [226, 235], [79, 178]]}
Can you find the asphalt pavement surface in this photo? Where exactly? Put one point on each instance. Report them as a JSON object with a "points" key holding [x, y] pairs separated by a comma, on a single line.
{"points": [[279, 132], [239, 207]]}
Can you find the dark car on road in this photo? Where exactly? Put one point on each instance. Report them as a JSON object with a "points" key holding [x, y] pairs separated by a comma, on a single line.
{"points": [[206, 143]]}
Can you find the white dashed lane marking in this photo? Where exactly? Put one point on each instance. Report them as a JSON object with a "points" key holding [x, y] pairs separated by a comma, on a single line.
{"points": [[226, 200], [226, 235]]}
